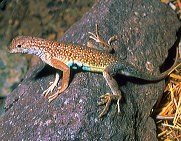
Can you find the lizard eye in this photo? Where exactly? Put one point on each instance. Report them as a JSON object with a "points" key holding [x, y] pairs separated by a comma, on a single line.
{"points": [[18, 46]]}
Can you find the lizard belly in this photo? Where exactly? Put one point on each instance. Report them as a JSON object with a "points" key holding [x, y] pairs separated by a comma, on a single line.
{"points": [[92, 68], [78, 64]]}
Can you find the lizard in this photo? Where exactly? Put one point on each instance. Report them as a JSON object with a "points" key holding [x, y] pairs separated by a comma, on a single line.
{"points": [[66, 56]]}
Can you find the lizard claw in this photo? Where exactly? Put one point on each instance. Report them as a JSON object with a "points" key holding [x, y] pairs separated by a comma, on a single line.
{"points": [[52, 97], [55, 95], [96, 37], [107, 100], [52, 86], [50, 89]]}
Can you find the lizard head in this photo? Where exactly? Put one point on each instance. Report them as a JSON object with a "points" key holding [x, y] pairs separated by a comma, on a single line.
{"points": [[24, 44]]}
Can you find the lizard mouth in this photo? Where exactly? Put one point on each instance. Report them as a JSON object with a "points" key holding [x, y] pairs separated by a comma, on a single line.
{"points": [[10, 50]]}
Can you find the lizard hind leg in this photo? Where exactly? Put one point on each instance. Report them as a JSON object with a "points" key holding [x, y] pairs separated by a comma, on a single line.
{"points": [[110, 97], [106, 46]]}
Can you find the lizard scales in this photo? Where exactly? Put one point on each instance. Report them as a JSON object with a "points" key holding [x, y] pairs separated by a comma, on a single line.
{"points": [[88, 59]]}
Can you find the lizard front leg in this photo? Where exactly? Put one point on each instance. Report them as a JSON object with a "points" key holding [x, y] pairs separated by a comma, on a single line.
{"points": [[116, 93], [65, 80]]}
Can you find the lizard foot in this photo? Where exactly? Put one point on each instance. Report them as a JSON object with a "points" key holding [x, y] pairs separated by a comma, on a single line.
{"points": [[55, 95], [52, 86], [96, 37], [50, 89], [52, 97], [108, 98]]}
